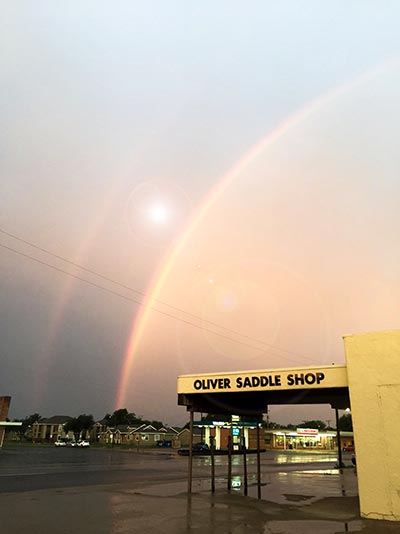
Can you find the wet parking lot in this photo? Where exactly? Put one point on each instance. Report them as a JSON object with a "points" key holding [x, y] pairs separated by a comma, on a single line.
{"points": [[112, 491], [31, 468]]}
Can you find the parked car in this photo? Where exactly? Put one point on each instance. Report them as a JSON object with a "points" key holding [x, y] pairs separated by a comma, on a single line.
{"points": [[83, 443], [200, 447], [60, 443], [197, 448], [164, 443]]}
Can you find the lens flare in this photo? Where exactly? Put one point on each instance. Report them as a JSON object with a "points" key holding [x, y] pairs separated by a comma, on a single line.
{"points": [[159, 214]]}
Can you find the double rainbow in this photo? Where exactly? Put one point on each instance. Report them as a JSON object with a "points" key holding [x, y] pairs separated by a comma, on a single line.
{"points": [[141, 320]]}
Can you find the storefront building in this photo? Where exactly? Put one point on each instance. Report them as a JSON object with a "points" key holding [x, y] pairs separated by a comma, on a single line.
{"points": [[369, 384], [281, 439], [240, 432], [307, 438]]}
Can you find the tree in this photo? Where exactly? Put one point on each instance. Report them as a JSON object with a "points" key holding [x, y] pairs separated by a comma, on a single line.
{"points": [[119, 417], [320, 425], [28, 421], [216, 417], [272, 425], [122, 417], [25, 429], [156, 424], [79, 424], [346, 422]]}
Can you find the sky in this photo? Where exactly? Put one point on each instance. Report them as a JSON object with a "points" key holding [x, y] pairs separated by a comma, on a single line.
{"points": [[192, 187]]}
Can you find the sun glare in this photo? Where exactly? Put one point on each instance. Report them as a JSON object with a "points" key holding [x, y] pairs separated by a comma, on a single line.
{"points": [[158, 214]]}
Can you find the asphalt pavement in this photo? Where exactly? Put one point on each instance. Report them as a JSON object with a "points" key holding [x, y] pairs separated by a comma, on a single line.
{"points": [[117, 492]]}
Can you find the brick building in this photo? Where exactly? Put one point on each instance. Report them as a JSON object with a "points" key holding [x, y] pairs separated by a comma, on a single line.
{"points": [[4, 407]]}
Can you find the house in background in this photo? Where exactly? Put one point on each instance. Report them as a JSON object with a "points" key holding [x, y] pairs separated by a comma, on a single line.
{"points": [[116, 435], [169, 433], [98, 431], [51, 429], [143, 435], [149, 436], [183, 437]]}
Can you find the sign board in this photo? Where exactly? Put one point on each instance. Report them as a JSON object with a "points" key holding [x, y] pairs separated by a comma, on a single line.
{"points": [[334, 376], [307, 431]]}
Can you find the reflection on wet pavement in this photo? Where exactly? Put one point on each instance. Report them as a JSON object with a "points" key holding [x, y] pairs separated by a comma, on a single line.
{"points": [[296, 487], [301, 458], [317, 527], [295, 498], [312, 485]]}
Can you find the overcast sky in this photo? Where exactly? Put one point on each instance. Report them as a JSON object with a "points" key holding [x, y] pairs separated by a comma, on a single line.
{"points": [[229, 169]]}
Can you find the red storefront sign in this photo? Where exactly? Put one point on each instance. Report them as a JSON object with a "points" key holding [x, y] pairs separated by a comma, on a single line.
{"points": [[307, 431]]}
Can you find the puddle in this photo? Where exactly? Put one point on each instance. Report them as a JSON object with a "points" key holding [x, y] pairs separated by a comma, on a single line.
{"points": [[297, 498], [162, 490], [176, 488], [307, 527], [322, 472]]}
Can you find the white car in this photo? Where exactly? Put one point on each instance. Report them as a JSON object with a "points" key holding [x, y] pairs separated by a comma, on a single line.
{"points": [[60, 443], [83, 443]]}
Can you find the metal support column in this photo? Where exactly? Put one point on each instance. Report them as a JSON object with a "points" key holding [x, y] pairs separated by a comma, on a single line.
{"points": [[229, 463], [244, 465], [258, 463], [212, 443]]}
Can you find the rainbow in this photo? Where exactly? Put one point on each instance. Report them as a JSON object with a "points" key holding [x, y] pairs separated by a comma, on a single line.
{"points": [[63, 300], [140, 322]]}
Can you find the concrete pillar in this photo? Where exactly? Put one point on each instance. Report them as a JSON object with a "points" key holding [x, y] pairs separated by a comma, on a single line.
{"points": [[207, 435], [246, 436], [373, 369], [217, 437]]}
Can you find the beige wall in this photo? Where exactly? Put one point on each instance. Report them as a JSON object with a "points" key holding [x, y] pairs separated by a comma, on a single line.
{"points": [[373, 368]]}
